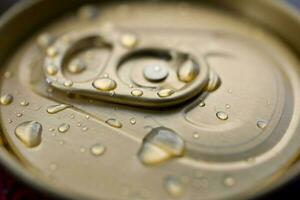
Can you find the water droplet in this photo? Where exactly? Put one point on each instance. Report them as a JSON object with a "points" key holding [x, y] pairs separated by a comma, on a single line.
{"points": [[196, 136], [214, 81], [114, 123], [79, 124], [227, 106], [97, 149], [84, 129], [24, 103], [19, 114], [76, 67], [137, 92], [52, 52], [6, 99], [51, 70], [165, 93], [261, 124], [29, 133], [51, 129], [159, 145], [174, 186], [10, 121], [229, 181], [57, 108], [104, 84], [188, 71], [129, 41], [202, 104], [68, 83], [88, 12], [222, 115], [45, 40], [132, 121], [63, 128], [87, 117]]}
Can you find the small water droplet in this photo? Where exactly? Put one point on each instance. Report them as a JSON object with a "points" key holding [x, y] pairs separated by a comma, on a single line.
{"points": [[129, 41], [57, 108], [24, 103], [261, 124], [52, 51], [227, 106], [45, 40], [202, 104], [51, 69], [51, 129], [87, 116], [6, 99], [196, 136], [29, 133], [229, 181], [63, 128], [10, 121], [68, 83], [79, 124], [19, 114], [72, 116], [159, 145], [174, 186], [77, 66], [84, 129], [132, 121], [137, 92], [114, 123], [97, 149], [104, 84], [165, 93], [222, 115]]}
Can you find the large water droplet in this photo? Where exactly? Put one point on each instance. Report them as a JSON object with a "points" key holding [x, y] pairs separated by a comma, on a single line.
{"points": [[6, 99], [214, 81], [188, 72], [57, 108], [29, 133], [174, 186], [63, 128], [159, 145], [97, 149], [114, 123], [104, 84]]}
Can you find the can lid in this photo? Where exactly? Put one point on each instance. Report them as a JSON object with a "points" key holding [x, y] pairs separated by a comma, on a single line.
{"points": [[204, 107]]}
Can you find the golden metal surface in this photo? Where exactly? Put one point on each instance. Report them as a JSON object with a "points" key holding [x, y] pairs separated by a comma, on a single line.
{"points": [[87, 110]]}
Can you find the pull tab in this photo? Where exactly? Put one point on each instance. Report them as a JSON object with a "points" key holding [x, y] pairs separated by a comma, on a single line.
{"points": [[124, 70]]}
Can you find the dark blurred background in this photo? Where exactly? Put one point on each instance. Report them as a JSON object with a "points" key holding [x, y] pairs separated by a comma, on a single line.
{"points": [[5, 4]]}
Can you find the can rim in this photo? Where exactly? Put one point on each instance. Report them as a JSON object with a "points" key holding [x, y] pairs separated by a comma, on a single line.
{"points": [[12, 165]]}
